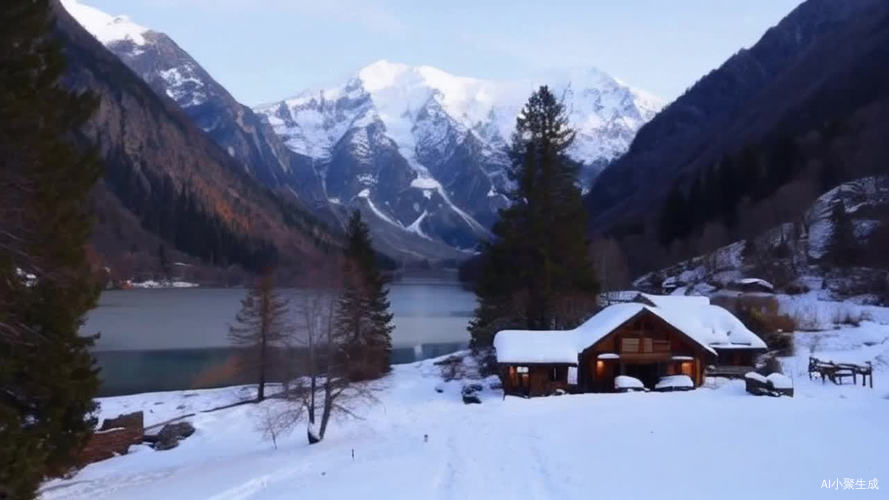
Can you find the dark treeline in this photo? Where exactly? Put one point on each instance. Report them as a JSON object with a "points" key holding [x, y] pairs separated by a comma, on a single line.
{"points": [[753, 174], [178, 217]]}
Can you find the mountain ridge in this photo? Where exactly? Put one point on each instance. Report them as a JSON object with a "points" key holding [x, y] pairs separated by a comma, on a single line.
{"points": [[427, 148], [451, 132], [167, 174]]}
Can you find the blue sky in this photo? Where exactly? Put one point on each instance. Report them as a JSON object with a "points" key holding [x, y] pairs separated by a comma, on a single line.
{"points": [[263, 50]]}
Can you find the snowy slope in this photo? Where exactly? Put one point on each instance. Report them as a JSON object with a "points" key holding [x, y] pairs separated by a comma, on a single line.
{"points": [[106, 28], [795, 255], [418, 443]]}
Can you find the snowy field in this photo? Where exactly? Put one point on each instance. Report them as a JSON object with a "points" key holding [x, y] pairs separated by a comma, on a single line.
{"points": [[714, 442]]}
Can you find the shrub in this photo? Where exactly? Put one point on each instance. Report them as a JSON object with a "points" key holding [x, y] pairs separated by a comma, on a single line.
{"points": [[850, 316], [807, 319]]}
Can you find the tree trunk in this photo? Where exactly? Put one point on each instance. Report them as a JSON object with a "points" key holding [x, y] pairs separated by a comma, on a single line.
{"points": [[313, 436], [260, 392], [265, 320], [328, 406]]}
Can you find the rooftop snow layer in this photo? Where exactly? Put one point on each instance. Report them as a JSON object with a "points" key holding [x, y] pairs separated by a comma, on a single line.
{"points": [[676, 300], [523, 346]]}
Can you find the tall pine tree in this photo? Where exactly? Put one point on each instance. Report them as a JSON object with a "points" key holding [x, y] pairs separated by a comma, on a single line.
{"points": [[363, 311], [47, 377], [537, 273]]}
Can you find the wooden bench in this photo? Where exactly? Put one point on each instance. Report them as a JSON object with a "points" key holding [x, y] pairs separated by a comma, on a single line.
{"points": [[836, 372]]}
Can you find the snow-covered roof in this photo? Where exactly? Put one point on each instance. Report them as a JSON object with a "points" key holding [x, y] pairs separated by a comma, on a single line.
{"points": [[708, 325], [711, 326], [674, 300], [525, 346]]}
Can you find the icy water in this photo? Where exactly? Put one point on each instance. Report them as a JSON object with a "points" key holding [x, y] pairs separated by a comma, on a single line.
{"points": [[170, 339]]}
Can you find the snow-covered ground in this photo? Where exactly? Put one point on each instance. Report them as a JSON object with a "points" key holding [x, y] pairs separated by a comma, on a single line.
{"points": [[713, 442]]}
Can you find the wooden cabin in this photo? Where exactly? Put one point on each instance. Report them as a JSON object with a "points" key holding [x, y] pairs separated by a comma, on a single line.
{"points": [[645, 347], [638, 339]]}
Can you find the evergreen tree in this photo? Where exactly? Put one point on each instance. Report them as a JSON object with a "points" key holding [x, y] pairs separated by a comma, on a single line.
{"points": [[537, 273], [675, 219], [729, 185], [363, 315], [164, 261], [47, 377], [260, 326]]}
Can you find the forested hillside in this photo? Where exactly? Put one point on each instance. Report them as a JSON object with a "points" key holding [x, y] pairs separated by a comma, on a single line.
{"points": [[184, 190], [755, 141]]}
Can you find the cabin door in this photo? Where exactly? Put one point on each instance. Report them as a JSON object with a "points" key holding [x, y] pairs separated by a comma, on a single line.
{"points": [[524, 383]]}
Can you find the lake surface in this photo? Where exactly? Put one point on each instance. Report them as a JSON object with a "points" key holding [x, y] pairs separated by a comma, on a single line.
{"points": [[166, 339]]}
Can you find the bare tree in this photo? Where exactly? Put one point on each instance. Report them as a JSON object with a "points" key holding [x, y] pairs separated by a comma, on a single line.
{"points": [[325, 390], [610, 263], [259, 328], [274, 423]]}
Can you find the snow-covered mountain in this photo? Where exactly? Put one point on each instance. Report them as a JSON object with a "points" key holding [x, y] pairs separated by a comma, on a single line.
{"points": [[172, 72], [419, 151], [427, 149]]}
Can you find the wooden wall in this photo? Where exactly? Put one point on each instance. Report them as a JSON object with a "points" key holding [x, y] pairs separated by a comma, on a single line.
{"points": [[537, 382]]}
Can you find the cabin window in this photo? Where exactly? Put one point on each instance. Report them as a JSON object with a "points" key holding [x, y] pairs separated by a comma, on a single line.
{"points": [[629, 344], [646, 345], [521, 369], [687, 368], [554, 374]]}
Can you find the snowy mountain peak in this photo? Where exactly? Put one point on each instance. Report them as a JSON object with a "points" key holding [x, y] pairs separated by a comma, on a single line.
{"points": [[421, 151], [425, 150], [605, 111], [106, 28]]}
